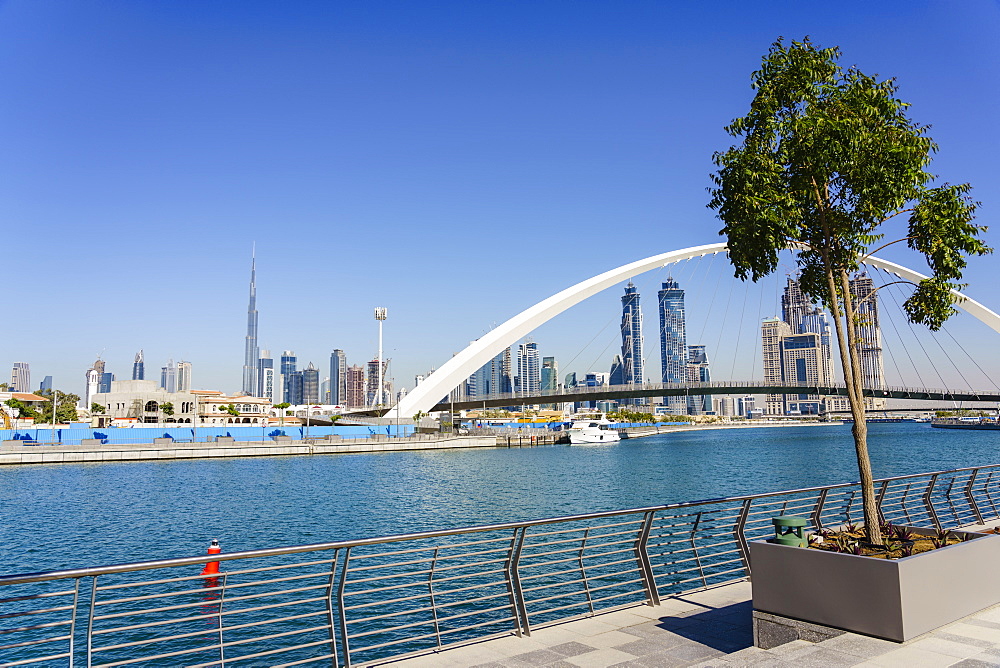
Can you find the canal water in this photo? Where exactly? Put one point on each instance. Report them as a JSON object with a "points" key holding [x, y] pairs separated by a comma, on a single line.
{"points": [[66, 516]]}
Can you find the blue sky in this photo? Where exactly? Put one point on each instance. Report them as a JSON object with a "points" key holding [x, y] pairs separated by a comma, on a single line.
{"points": [[453, 162]]}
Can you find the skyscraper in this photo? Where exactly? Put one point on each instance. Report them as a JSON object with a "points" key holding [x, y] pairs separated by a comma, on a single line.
{"points": [[184, 376], [869, 336], [698, 372], [529, 373], [673, 341], [104, 384], [265, 376], [310, 385], [139, 367], [355, 386], [294, 388], [338, 377], [633, 367], [371, 387], [46, 384], [287, 368], [251, 353], [168, 377], [20, 377], [617, 375], [772, 331], [550, 378]]}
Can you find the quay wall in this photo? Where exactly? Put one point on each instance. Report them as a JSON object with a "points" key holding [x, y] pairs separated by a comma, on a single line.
{"points": [[75, 454]]}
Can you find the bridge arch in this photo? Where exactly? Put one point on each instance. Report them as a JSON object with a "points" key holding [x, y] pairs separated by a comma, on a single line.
{"points": [[427, 394]]}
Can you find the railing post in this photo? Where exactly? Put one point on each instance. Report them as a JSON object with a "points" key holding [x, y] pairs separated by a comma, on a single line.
{"points": [[344, 645], [740, 536], [222, 599], [929, 505], [642, 555], [971, 497], [72, 621], [430, 589], [817, 514], [515, 579], [329, 606], [878, 501], [583, 570], [90, 623]]}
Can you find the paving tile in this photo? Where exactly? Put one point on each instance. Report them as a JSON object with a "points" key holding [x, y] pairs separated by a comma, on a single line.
{"points": [[610, 639], [692, 651], [790, 647], [976, 642], [970, 631], [539, 657], [647, 646], [907, 657], [601, 658], [651, 630], [858, 645], [573, 648], [556, 635], [975, 621], [972, 663], [959, 650], [821, 657]]}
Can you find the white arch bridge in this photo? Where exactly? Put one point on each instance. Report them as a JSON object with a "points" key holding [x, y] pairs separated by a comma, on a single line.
{"points": [[426, 396]]}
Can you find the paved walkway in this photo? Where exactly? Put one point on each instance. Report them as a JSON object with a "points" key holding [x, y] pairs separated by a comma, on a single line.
{"points": [[713, 628]]}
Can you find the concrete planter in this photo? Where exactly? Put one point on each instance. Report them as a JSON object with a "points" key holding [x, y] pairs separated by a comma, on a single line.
{"points": [[895, 599]]}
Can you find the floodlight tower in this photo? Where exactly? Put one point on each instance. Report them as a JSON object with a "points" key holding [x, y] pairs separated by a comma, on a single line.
{"points": [[380, 314]]}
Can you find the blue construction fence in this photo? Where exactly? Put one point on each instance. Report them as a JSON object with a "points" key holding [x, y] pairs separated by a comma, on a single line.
{"points": [[140, 435]]}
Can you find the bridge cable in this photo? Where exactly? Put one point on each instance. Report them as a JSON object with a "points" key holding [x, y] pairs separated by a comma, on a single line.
{"points": [[736, 352], [888, 349], [902, 345], [973, 359], [920, 343], [948, 357]]}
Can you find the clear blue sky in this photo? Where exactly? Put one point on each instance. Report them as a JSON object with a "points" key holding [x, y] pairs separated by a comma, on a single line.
{"points": [[452, 161]]}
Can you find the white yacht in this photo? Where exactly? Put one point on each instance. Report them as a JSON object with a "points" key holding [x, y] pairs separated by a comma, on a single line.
{"points": [[593, 430]]}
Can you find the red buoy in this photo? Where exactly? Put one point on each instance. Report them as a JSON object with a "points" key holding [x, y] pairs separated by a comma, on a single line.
{"points": [[212, 567]]}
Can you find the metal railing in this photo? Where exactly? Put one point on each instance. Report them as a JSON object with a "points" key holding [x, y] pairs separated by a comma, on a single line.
{"points": [[353, 602]]}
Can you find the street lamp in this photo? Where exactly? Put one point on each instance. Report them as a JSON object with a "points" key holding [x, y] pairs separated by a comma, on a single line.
{"points": [[380, 314]]}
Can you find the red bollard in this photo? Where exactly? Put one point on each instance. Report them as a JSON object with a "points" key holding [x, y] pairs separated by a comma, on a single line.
{"points": [[212, 567]]}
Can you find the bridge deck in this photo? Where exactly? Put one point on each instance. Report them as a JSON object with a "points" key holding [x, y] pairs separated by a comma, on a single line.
{"points": [[698, 389]]}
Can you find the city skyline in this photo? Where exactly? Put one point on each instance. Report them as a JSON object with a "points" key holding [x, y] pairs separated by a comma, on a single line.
{"points": [[514, 115]]}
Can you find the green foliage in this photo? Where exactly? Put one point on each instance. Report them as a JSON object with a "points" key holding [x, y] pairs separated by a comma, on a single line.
{"points": [[826, 156], [167, 408], [21, 409], [226, 408], [66, 412], [418, 416], [97, 409]]}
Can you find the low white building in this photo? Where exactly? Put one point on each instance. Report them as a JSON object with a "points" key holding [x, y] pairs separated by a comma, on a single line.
{"points": [[145, 402]]}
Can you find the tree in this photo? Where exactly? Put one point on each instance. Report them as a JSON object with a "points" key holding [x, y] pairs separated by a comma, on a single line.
{"points": [[828, 156], [66, 412], [167, 408], [227, 408], [281, 410], [97, 409]]}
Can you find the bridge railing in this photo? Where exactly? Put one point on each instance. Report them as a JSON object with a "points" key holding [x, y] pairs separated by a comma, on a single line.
{"points": [[353, 602], [724, 387]]}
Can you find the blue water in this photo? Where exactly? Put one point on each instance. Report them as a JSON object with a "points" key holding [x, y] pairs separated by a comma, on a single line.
{"points": [[64, 516]]}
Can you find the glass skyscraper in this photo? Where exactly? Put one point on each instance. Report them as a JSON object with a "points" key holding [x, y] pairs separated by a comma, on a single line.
{"points": [[529, 372], [632, 362], [288, 364], [338, 377], [310, 385], [673, 341]]}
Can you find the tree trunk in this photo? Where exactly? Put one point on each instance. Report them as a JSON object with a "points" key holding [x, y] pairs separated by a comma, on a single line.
{"points": [[855, 399], [873, 528]]}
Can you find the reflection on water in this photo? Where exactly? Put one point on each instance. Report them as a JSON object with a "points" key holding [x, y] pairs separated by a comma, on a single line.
{"points": [[89, 514]]}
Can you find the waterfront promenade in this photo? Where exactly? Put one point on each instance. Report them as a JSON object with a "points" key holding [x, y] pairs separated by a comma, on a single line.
{"points": [[713, 628]]}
